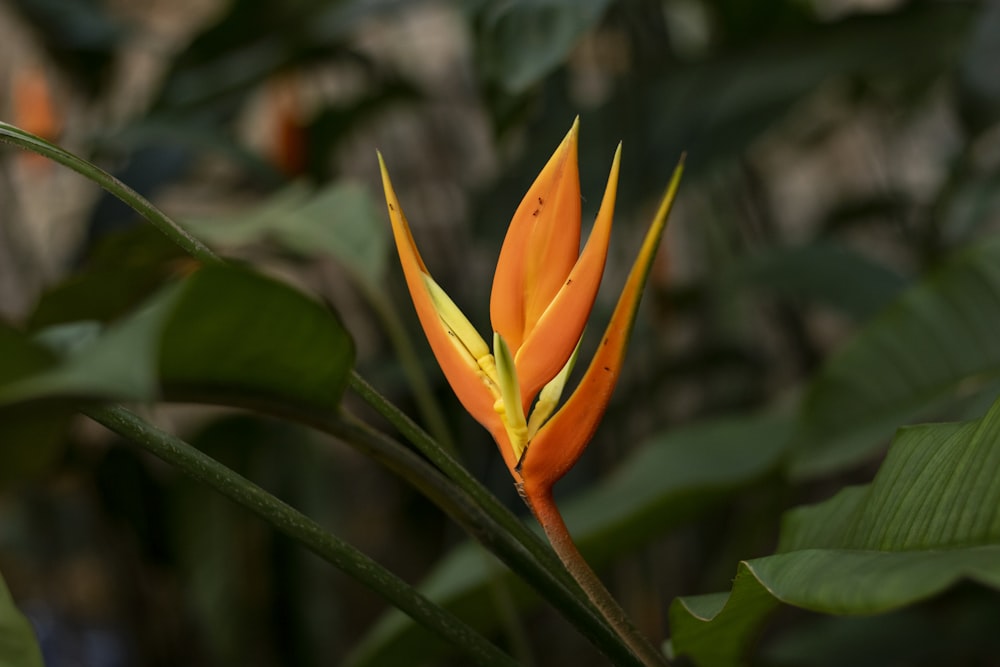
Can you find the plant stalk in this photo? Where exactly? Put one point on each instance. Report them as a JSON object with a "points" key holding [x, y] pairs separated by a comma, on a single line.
{"points": [[302, 529], [460, 475], [135, 201], [544, 508]]}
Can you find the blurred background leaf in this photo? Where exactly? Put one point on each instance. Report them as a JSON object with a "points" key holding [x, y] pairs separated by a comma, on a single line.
{"points": [[521, 42], [934, 344], [823, 273], [340, 221], [223, 329]]}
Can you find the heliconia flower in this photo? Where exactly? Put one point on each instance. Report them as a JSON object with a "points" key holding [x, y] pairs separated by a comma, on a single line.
{"points": [[544, 289]]}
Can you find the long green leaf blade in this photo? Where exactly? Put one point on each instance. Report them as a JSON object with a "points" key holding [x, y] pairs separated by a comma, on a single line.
{"points": [[930, 518]]}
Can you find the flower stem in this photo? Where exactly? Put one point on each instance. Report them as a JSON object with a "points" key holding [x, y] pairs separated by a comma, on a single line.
{"points": [[544, 508], [566, 597], [302, 529], [135, 201]]}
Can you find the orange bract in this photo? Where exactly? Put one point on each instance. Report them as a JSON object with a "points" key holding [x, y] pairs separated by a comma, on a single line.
{"points": [[559, 444], [541, 246], [543, 292]]}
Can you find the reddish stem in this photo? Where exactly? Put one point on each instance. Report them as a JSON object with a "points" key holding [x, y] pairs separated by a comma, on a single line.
{"points": [[544, 508]]}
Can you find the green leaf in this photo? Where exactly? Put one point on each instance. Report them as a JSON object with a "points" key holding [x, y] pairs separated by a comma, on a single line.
{"points": [[238, 331], [522, 41], [18, 645], [669, 480], [222, 329], [928, 520], [118, 363], [122, 271], [253, 225], [938, 342], [824, 272], [339, 221]]}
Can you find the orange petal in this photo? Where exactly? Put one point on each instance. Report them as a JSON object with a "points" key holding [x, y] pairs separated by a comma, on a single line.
{"points": [[554, 337], [459, 368], [541, 246], [558, 445]]}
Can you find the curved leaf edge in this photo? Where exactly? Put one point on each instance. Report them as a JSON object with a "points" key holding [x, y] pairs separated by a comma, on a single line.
{"points": [[761, 585]]}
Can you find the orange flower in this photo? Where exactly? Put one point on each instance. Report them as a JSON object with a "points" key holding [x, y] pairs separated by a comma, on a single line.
{"points": [[542, 296]]}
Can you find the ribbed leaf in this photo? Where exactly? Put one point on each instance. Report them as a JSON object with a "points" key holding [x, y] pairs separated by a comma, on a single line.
{"points": [[930, 518], [936, 343]]}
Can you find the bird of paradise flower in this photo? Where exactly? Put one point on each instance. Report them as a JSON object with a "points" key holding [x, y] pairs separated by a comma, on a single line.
{"points": [[543, 291]]}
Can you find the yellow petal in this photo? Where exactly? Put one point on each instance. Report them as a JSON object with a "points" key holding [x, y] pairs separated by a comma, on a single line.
{"points": [[541, 246], [459, 366], [559, 444], [557, 333]]}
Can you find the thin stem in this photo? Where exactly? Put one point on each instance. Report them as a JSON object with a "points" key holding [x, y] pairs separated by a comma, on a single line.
{"points": [[603, 634], [141, 205], [544, 508], [540, 569], [552, 583], [302, 529], [433, 416]]}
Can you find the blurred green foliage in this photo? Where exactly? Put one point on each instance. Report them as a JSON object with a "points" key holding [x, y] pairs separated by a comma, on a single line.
{"points": [[830, 275]]}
